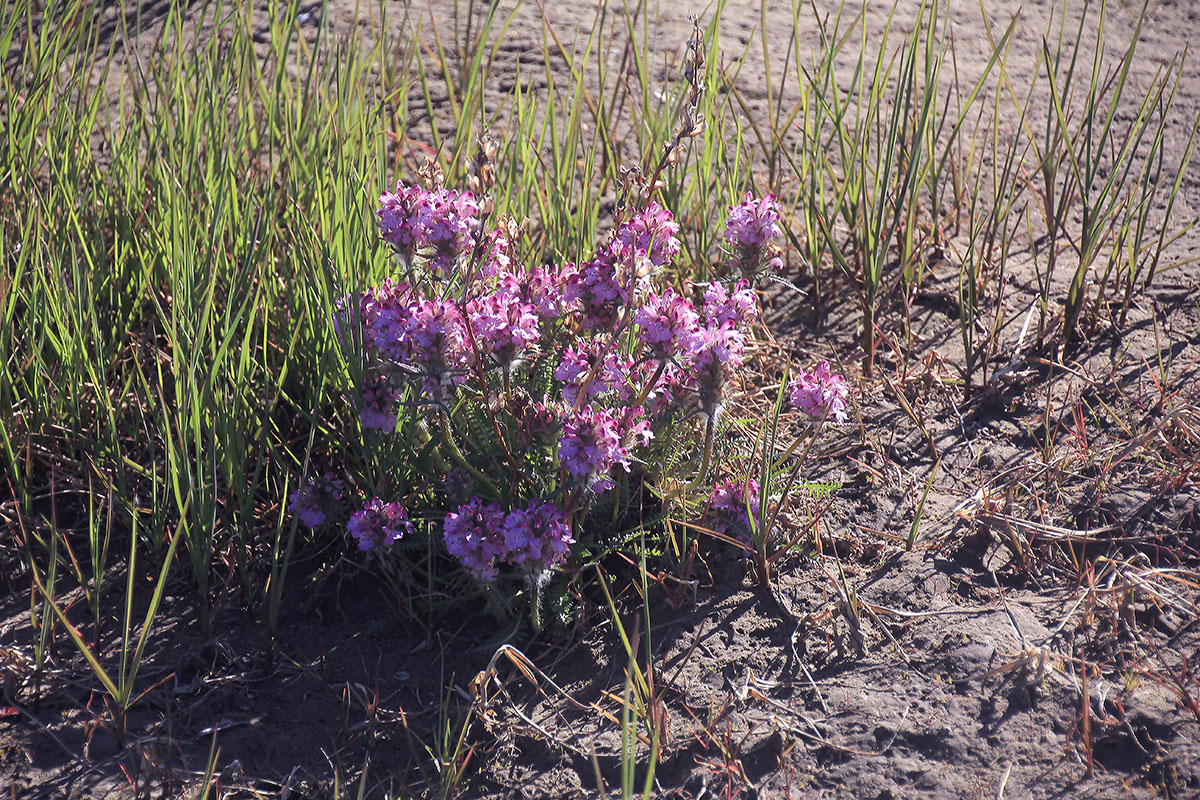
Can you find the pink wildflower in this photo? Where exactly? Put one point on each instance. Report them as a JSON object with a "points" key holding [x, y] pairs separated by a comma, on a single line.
{"points": [[546, 289], [313, 501], [441, 221], [722, 308], [593, 441], [594, 289], [398, 218], [722, 345], [667, 323], [820, 394], [538, 536], [577, 362], [502, 325], [475, 536], [717, 352], [650, 234], [447, 223], [380, 404], [426, 338], [498, 254], [665, 395], [370, 304], [750, 229], [379, 524], [752, 223], [733, 507]]}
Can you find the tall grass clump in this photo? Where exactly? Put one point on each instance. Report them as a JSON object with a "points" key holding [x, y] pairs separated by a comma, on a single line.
{"points": [[871, 167], [911, 166], [167, 222], [1104, 179]]}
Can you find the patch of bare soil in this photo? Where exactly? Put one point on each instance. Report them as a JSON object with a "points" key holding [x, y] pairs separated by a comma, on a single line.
{"points": [[1039, 640]]}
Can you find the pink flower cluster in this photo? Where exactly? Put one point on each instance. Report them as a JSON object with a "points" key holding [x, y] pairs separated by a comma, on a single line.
{"points": [[437, 340], [612, 358], [537, 536], [667, 325], [547, 289], [381, 401], [724, 309], [694, 351], [733, 508], [595, 290], [316, 499], [752, 223], [715, 347], [650, 235], [821, 394], [594, 440], [361, 312], [507, 313], [439, 224], [610, 378], [379, 524], [425, 339], [503, 326], [622, 268], [750, 229], [482, 536]]}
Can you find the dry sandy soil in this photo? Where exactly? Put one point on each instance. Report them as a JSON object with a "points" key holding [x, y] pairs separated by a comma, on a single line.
{"points": [[983, 663]]}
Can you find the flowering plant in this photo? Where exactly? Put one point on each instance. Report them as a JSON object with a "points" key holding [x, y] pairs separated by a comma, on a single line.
{"points": [[745, 509], [542, 396]]}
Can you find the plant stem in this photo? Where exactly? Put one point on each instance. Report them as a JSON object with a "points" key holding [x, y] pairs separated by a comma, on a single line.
{"points": [[461, 460]]}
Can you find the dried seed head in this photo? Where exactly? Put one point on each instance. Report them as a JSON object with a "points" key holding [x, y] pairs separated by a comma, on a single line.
{"points": [[691, 121], [482, 170], [511, 227], [431, 173]]}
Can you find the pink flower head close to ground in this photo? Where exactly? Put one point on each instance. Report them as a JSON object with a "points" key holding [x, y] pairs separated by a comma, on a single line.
{"points": [[538, 536], [733, 507], [483, 536], [313, 501], [821, 394], [475, 536], [379, 524]]}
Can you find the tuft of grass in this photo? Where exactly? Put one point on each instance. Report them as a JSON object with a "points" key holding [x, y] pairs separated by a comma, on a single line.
{"points": [[1094, 162]]}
